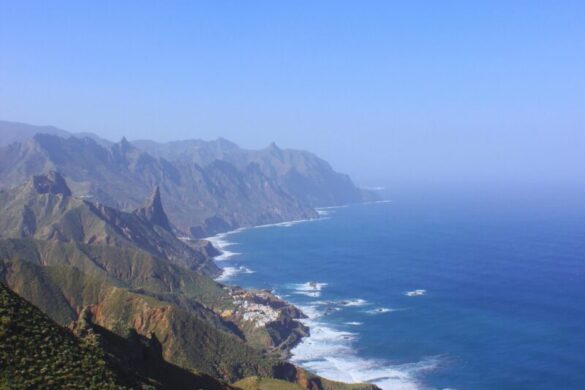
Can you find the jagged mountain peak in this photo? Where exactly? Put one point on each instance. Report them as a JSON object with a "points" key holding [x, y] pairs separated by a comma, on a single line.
{"points": [[50, 183], [273, 146], [124, 143], [123, 148], [153, 210]]}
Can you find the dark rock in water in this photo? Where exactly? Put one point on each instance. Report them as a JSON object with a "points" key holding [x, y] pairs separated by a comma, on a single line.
{"points": [[153, 211], [210, 227], [51, 183]]}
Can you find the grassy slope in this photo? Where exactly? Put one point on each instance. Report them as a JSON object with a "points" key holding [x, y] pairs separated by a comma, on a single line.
{"points": [[119, 266], [44, 216], [255, 383], [189, 339], [35, 351]]}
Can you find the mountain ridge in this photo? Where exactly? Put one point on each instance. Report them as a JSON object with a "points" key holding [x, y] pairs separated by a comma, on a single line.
{"points": [[124, 287], [37, 352], [85, 234], [33, 211], [209, 186]]}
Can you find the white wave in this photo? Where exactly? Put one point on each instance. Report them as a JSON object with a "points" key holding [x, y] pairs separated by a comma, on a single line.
{"points": [[344, 302], [381, 310], [354, 302], [312, 294], [288, 223], [226, 255], [229, 272], [378, 201], [221, 243], [310, 289], [333, 207], [354, 323], [309, 286], [415, 293], [329, 352]]}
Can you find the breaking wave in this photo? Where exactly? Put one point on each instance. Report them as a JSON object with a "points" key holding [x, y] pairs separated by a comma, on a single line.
{"points": [[221, 243], [310, 289], [230, 272], [329, 352]]}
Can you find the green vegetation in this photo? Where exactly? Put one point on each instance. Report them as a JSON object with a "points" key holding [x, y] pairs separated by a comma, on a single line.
{"points": [[30, 212], [255, 383], [62, 291], [304, 380], [36, 352], [134, 284]]}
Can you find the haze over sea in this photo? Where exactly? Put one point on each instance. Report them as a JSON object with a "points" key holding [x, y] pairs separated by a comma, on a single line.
{"points": [[502, 274]]}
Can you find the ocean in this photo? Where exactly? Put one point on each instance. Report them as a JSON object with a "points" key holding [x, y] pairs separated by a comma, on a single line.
{"points": [[445, 292]]}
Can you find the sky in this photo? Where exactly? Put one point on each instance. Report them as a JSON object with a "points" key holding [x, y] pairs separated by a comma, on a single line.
{"points": [[410, 91]]}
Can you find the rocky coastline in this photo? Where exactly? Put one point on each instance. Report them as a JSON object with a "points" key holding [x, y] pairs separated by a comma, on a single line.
{"points": [[260, 310]]}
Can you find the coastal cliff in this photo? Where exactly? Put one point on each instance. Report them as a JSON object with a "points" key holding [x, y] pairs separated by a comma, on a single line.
{"points": [[208, 186], [128, 274]]}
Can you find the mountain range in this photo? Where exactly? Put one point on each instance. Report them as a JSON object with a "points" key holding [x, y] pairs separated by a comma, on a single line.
{"points": [[209, 186], [123, 285]]}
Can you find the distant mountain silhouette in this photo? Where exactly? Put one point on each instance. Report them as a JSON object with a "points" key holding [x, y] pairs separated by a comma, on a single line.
{"points": [[209, 187]]}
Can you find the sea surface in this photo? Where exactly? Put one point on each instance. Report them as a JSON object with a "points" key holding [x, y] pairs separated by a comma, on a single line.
{"points": [[500, 301]]}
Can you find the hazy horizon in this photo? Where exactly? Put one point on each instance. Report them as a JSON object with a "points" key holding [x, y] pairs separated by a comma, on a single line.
{"points": [[422, 93]]}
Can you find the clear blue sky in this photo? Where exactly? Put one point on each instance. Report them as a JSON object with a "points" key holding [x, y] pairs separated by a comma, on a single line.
{"points": [[412, 90]]}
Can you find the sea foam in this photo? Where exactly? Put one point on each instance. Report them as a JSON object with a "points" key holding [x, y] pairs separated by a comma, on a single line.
{"points": [[415, 293], [380, 310], [310, 289], [354, 302], [329, 352], [288, 223], [220, 243], [230, 272]]}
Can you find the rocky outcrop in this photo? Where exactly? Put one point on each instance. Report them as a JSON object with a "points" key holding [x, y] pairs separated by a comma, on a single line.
{"points": [[301, 174], [50, 183], [199, 200], [153, 211], [208, 187], [35, 352], [142, 292], [42, 209]]}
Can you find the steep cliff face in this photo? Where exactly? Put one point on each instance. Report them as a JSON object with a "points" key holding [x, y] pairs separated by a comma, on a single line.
{"points": [[44, 209], [129, 271], [141, 356], [35, 352], [301, 174], [153, 211], [191, 336], [67, 249], [50, 183]]}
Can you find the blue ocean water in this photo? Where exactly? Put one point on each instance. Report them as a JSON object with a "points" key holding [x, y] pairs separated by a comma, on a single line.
{"points": [[504, 299]]}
